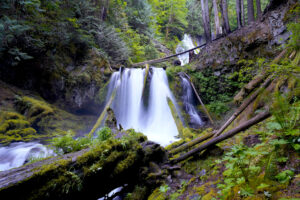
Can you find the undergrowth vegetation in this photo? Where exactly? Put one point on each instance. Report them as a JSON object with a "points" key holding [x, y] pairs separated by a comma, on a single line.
{"points": [[68, 143]]}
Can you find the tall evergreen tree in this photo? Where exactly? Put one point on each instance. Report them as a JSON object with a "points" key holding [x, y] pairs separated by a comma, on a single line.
{"points": [[224, 11], [218, 30], [258, 9], [206, 20], [239, 13], [243, 13]]}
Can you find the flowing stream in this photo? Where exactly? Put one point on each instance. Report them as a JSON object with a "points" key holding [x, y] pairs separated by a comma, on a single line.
{"points": [[17, 154]]}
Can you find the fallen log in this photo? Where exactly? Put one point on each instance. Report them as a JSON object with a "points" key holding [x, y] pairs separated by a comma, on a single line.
{"points": [[190, 144], [87, 174], [199, 99], [260, 117], [244, 106]]}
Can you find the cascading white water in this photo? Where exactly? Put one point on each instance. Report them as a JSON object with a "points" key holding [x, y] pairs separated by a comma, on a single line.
{"points": [[154, 120], [186, 44], [188, 102], [17, 154]]}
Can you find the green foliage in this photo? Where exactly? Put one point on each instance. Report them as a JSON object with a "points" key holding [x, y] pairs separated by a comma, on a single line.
{"points": [[214, 88], [294, 28], [164, 188], [140, 15], [67, 144], [294, 41], [104, 134], [285, 123], [241, 170], [194, 17], [171, 20], [218, 108], [285, 176]]}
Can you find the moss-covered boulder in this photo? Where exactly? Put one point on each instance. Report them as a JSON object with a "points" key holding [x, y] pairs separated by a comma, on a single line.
{"points": [[14, 127], [87, 174]]}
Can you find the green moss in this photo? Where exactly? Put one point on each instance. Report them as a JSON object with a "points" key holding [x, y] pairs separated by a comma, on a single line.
{"points": [[14, 127], [176, 117], [138, 193], [157, 195], [34, 109], [126, 163]]}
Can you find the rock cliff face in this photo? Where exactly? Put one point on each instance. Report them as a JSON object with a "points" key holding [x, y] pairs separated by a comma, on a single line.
{"points": [[73, 87], [257, 39]]}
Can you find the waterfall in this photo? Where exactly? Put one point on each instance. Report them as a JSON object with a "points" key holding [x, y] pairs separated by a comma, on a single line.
{"points": [[19, 153], [186, 44], [154, 117], [189, 102]]}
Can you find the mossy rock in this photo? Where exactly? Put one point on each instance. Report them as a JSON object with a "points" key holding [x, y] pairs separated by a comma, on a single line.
{"points": [[33, 108]]}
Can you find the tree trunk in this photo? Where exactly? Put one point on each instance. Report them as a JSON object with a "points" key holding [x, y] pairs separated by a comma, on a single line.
{"points": [[250, 8], [260, 117], [217, 20], [243, 13], [239, 13], [104, 10], [243, 106], [224, 12], [206, 20], [258, 9]]}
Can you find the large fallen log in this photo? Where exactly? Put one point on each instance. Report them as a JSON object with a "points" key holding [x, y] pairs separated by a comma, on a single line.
{"points": [[244, 106], [260, 117], [227, 123], [87, 174]]}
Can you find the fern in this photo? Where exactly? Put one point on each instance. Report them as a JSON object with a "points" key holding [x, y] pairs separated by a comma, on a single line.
{"points": [[271, 167]]}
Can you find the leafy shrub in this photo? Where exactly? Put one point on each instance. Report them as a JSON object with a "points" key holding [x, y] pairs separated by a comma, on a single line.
{"points": [[104, 134], [67, 144], [164, 188], [241, 170], [285, 176], [218, 108]]}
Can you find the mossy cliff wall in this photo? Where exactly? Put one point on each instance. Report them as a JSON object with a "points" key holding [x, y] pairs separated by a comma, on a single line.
{"points": [[73, 86]]}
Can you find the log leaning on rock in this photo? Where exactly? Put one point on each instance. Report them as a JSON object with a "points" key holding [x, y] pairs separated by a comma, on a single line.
{"points": [[87, 174], [190, 144], [260, 117], [227, 123], [103, 114]]}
